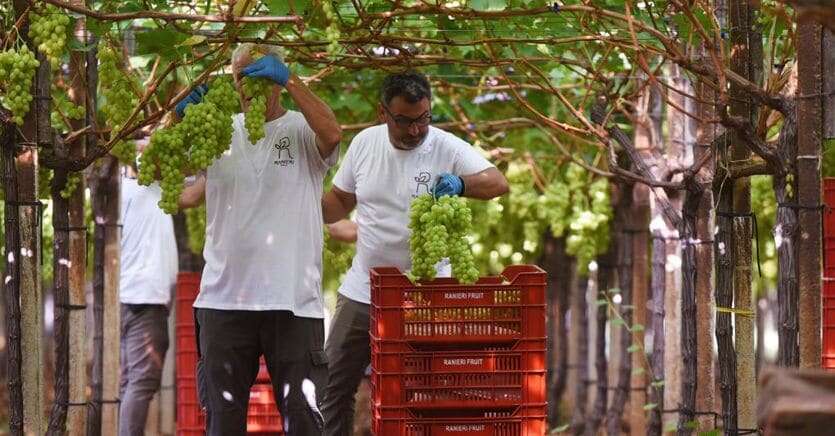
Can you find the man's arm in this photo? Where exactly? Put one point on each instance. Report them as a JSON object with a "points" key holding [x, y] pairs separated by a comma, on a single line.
{"points": [[319, 116], [485, 185], [343, 230], [194, 193], [337, 204]]}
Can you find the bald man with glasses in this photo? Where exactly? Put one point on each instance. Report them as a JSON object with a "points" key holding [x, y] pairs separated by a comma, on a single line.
{"points": [[387, 166]]}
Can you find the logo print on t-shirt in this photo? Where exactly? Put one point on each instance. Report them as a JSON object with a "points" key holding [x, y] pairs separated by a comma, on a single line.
{"points": [[283, 148], [422, 180]]}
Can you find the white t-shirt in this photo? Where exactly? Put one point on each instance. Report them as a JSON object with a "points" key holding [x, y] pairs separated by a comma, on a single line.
{"points": [[148, 263], [263, 246], [385, 180]]}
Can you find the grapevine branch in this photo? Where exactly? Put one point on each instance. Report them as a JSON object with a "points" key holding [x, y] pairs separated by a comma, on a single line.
{"points": [[170, 16]]}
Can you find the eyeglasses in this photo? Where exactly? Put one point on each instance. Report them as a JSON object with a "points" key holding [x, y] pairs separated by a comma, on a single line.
{"points": [[406, 122]]}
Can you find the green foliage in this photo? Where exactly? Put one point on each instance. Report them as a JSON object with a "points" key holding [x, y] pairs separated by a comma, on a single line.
{"points": [[196, 228]]}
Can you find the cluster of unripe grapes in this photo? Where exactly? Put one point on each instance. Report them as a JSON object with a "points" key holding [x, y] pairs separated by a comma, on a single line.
{"points": [[332, 32], [192, 144], [196, 228], [440, 229], [17, 70], [63, 109], [120, 97], [73, 181], [256, 89], [48, 29]]}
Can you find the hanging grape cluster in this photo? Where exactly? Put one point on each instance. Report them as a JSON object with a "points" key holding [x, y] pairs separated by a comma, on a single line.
{"points": [[73, 181], [440, 229], [63, 109], [48, 29], [196, 228], [193, 144], [17, 71], [257, 90], [332, 32], [118, 90]]}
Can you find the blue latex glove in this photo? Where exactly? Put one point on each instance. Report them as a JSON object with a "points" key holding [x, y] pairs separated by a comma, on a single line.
{"points": [[194, 97], [449, 184], [269, 67]]}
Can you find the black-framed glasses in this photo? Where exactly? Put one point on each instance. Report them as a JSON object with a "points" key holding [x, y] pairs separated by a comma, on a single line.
{"points": [[406, 122]]}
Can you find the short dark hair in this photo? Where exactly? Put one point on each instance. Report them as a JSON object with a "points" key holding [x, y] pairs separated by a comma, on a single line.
{"points": [[410, 85]]}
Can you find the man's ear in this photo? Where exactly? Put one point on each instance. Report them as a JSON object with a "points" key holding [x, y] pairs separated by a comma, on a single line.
{"points": [[381, 114]]}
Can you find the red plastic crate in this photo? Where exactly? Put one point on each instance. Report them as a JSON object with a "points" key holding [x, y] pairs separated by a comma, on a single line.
{"points": [[493, 310], [188, 286], [476, 378], [189, 413], [526, 420], [263, 416], [263, 374]]}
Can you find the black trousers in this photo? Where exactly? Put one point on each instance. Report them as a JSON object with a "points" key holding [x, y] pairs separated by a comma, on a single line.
{"points": [[229, 344]]}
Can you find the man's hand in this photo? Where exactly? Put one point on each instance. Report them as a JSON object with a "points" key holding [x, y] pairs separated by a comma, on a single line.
{"points": [[269, 67], [449, 184], [194, 97]]}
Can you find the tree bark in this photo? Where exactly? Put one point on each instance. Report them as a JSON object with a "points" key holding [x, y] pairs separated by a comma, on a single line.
{"points": [[639, 224], [810, 65], [606, 265], [614, 417], [580, 333], [559, 267], [62, 308], [12, 281], [746, 60], [703, 245]]}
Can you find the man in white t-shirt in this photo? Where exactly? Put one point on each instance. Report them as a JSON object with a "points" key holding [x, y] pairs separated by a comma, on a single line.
{"points": [[148, 271], [260, 293], [385, 167]]}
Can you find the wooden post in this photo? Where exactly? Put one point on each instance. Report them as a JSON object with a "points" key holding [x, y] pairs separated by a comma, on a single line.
{"points": [[112, 238], [746, 60], [648, 115], [810, 62]]}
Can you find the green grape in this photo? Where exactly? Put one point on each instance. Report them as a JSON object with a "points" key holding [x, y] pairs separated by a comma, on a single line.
{"points": [[44, 182], [17, 71], [332, 32], [118, 90], [440, 229], [196, 228], [48, 29], [208, 125], [73, 181], [257, 90], [63, 109], [202, 136]]}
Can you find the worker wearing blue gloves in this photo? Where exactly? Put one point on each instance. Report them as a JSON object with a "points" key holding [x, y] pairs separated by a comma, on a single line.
{"points": [[385, 168], [260, 292]]}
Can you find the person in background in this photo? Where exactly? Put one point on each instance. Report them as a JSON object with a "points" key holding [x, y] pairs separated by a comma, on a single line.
{"points": [[385, 167], [260, 292], [148, 272]]}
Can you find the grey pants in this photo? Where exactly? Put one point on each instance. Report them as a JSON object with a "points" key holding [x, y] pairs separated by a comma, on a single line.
{"points": [[230, 343], [349, 353], [144, 342]]}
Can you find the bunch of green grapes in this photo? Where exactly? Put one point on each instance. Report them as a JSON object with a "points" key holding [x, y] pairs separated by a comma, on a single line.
{"points": [[118, 90], [257, 90], [63, 109], [17, 71], [48, 29], [204, 134], [196, 228], [165, 153], [208, 125], [332, 32], [44, 182], [73, 181], [440, 229]]}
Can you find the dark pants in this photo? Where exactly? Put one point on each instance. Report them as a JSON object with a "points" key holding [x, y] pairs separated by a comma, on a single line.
{"points": [[349, 353], [144, 342], [230, 343]]}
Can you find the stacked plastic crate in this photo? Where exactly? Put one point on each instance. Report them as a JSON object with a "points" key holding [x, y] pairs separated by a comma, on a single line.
{"points": [[453, 359], [262, 415], [828, 295]]}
